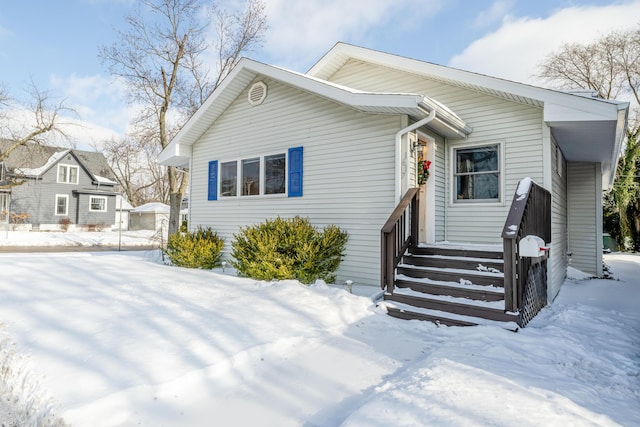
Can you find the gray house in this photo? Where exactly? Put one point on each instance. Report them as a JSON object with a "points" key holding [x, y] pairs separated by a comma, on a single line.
{"points": [[49, 188]]}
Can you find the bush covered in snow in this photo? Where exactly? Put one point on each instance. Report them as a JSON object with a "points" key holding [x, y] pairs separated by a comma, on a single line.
{"points": [[289, 249], [201, 248], [21, 401]]}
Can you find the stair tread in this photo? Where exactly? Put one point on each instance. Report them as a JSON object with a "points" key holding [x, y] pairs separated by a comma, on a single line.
{"points": [[486, 247], [512, 325], [494, 305], [452, 270], [457, 258], [443, 283]]}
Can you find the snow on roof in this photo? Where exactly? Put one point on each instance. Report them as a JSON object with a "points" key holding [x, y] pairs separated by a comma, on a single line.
{"points": [[122, 203], [103, 180], [156, 207], [39, 171]]}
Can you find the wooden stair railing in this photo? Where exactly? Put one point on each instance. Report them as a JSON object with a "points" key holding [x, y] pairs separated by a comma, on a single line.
{"points": [[530, 214], [397, 235]]}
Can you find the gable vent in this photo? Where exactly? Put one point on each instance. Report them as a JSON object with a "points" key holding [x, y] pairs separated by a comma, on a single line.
{"points": [[257, 93]]}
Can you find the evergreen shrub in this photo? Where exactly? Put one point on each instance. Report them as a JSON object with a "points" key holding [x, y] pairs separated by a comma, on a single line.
{"points": [[288, 249], [201, 248]]}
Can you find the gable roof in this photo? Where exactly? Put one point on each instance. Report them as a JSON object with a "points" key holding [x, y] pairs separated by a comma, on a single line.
{"points": [[34, 159], [152, 207], [587, 129], [415, 105]]}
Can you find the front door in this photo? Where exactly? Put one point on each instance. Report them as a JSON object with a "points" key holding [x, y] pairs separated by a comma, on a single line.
{"points": [[427, 191]]}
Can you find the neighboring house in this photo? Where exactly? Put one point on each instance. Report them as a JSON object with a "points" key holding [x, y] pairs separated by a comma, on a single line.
{"points": [[341, 144], [53, 186], [150, 216], [123, 209]]}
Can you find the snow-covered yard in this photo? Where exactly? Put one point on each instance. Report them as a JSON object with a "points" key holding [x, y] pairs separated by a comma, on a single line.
{"points": [[118, 339], [9, 238]]}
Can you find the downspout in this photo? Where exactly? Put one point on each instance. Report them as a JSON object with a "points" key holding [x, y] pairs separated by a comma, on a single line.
{"points": [[416, 125]]}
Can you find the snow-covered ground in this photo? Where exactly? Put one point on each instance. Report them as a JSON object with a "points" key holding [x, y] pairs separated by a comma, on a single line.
{"points": [[71, 238], [118, 339]]}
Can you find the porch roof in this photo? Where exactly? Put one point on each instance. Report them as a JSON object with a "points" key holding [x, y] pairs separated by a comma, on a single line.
{"points": [[178, 152], [587, 129]]}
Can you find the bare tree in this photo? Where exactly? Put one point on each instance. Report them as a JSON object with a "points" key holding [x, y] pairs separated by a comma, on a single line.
{"points": [[161, 57], [42, 121], [131, 168], [609, 66]]}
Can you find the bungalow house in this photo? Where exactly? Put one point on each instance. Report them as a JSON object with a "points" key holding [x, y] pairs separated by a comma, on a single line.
{"points": [[49, 188], [443, 178]]}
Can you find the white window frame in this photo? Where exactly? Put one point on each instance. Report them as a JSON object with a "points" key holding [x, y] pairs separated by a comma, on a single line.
{"points": [[263, 171], [91, 203], [453, 199], [67, 175], [220, 192], [243, 187], [66, 205]]}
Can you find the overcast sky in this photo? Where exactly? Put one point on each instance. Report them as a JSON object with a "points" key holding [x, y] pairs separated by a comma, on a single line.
{"points": [[55, 43]]}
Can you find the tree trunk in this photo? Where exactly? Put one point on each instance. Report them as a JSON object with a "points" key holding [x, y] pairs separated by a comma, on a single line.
{"points": [[175, 201]]}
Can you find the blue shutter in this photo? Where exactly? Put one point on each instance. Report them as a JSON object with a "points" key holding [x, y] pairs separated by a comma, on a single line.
{"points": [[295, 172], [212, 193]]}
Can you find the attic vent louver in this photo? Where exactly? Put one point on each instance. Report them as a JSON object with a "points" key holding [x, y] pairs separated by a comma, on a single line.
{"points": [[257, 93]]}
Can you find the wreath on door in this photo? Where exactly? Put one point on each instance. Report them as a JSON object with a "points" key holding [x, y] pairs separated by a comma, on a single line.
{"points": [[423, 171]]}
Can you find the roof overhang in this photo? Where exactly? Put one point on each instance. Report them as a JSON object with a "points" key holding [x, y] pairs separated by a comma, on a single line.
{"points": [[590, 137], [178, 152]]}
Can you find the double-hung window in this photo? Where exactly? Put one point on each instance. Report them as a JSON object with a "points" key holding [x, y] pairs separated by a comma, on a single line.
{"points": [[68, 174], [98, 204], [275, 173], [229, 179], [477, 173], [251, 177], [62, 204]]}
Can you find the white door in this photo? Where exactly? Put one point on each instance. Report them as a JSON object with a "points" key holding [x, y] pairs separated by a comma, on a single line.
{"points": [[427, 192]]}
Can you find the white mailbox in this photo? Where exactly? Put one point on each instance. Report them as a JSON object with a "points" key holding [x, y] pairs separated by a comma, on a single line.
{"points": [[532, 246]]}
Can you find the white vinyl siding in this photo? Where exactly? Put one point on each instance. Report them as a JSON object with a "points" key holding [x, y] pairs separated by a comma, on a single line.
{"points": [[584, 191], [438, 173], [492, 119], [339, 187], [558, 259]]}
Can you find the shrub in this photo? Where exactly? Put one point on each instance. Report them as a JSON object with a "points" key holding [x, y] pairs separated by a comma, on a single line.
{"points": [[198, 249], [65, 223], [288, 249]]}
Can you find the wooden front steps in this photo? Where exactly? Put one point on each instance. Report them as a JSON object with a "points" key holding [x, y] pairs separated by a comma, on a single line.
{"points": [[451, 286]]}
